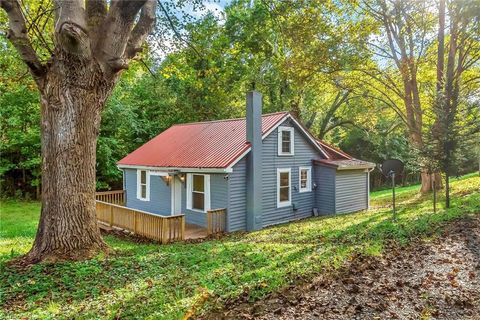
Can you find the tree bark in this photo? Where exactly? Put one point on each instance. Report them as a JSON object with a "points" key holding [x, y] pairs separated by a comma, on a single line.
{"points": [[427, 179], [92, 46], [397, 20], [72, 98], [440, 48], [447, 190]]}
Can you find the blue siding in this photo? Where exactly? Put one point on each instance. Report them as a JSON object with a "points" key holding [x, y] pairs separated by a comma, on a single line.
{"points": [[160, 194], [337, 191], [325, 192], [351, 191], [237, 205], [304, 152], [218, 199]]}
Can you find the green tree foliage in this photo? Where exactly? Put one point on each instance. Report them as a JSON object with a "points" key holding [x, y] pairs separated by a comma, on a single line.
{"points": [[19, 127], [321, 60]]}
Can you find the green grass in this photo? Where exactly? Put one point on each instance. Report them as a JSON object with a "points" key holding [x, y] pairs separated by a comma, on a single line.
{"points": [[384, 197], [166, 281]]}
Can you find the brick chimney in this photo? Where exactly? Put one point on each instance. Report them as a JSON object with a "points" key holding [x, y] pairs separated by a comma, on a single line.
{"points": [[254, 161]]}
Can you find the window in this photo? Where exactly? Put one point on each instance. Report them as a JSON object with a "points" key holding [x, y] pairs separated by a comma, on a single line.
{"points": [[284, 190], [198, 195], [285, 141], [198, 188], [143, 185], [305, 179]]}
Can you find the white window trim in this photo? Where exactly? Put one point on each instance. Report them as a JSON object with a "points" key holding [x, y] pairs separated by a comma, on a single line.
{"points": [[309, 179], [139, 189], [292, 141], [206, 186], [282, 204]]}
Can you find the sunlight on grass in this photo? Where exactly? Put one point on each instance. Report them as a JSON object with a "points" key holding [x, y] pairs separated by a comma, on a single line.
{"points": [[166, 281]]}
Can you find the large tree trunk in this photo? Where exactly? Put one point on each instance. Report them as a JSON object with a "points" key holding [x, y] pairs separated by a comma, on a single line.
{"points": [[72, 98], [94, 41], [426, 177], [427, 181]]}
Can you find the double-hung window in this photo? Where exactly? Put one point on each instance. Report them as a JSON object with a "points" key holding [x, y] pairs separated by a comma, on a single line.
{"points": [[285, 141], [284, 187], [305, 179], [143, 185], [198, 192]]}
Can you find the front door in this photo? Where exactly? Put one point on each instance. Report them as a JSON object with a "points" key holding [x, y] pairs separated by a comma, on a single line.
{"points": [[176, 195]]}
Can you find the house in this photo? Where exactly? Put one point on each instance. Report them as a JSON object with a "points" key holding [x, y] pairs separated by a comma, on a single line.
{"points": [[265, 170]]}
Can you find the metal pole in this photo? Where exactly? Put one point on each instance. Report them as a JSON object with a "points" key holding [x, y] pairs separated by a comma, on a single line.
{"points": [[393, 195]]}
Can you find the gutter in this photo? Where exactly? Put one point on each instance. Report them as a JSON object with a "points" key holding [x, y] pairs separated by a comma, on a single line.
{"points": [[175, 169]]}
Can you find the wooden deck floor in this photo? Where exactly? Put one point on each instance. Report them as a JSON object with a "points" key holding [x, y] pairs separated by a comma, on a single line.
{"points": [[193, 231]]}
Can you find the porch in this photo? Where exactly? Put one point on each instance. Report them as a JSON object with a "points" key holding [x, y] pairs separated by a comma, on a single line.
{"points": [[112, 214]]}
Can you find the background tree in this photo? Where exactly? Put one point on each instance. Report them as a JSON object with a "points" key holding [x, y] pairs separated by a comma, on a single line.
{"points": [[308, 57], [93, 41], [19, 127], [400, 48], [456, 104]]}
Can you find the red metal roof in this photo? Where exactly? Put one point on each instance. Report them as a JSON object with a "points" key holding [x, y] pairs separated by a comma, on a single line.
{"points": [[213, 144], [334, 153], [341, 160]]}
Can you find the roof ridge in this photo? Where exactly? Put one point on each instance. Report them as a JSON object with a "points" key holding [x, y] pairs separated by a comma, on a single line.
{"points": [[225, 120]]}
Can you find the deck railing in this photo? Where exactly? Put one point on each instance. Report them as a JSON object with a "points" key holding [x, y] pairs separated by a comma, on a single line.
{"points": [[216, 221], [160, 228], [115, 197]]}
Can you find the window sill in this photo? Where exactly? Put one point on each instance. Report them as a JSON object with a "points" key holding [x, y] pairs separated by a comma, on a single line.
{"points": [[286, 154], [284, 205], [305, 191], [143, 199], [197, 210]]}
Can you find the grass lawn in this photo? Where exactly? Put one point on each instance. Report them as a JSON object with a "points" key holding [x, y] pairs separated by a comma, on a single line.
{"points": [[168, 281]]}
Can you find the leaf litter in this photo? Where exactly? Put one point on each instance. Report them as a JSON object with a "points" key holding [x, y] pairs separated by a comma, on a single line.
{"points": [[436, 279]]}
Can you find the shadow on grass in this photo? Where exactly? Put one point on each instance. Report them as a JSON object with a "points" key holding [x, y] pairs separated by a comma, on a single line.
{"points": [[140, 280]]}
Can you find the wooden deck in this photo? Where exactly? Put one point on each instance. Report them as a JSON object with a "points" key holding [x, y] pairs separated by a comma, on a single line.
{"points": [[111, 213]]}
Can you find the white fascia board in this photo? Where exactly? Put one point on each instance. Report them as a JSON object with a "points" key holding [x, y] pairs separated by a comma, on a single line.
{"points": [[299, 126], [240, 157], [175, 169], [266, 134], [160, 173], [309, 136]]}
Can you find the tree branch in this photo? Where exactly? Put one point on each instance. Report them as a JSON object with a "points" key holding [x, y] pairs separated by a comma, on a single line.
{"points": [[331, 126], [175, 31], [141, 29], [19, 37], [340, 98], [70, 28], [96, 11], [116, 29], [34, 26], [390, 104]]}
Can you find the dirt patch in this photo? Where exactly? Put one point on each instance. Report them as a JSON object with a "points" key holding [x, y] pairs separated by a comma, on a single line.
{"points": [[433, 280]]}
